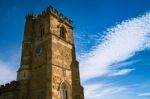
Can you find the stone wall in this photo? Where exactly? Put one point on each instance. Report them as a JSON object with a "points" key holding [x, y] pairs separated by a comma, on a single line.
{"points": [[9, 90]]}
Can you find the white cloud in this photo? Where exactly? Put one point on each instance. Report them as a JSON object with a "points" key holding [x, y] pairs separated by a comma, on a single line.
{"points": [[121, 72], [109, 91], [100, 90], [113, 90], [120, 43], [144, 94], [7, 73], [9, 67]]}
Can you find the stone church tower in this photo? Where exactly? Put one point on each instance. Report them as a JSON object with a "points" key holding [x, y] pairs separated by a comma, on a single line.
{"points": [[49, 69]]}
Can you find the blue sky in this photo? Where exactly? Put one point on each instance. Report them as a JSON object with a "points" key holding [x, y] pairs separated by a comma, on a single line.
{"points": [[112, 41]]}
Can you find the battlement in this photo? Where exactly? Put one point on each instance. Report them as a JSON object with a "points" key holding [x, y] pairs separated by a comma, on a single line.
{"points": [[8, 87], [51, 11], [31, 15]]}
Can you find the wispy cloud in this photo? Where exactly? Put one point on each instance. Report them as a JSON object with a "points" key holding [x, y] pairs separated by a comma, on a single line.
{"points": [[121, 72], [109, 56], [120, 43], [99, 90], [113, 90], [144, 94]]}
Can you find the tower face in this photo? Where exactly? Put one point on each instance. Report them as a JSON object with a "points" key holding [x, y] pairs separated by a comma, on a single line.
{"points": [[49, 69]]}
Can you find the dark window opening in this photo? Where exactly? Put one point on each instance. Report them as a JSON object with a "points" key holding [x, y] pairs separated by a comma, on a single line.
{"points": [[27, 46], [24, 74], [63, 32], [41, 30]]}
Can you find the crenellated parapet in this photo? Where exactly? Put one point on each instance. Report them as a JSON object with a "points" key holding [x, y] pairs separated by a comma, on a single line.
{"points": [[31, 16], [12, 86], [59, 15], [51, 11]]}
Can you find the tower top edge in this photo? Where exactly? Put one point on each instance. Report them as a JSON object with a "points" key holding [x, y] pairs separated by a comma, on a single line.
{"points": [[50, 11]]}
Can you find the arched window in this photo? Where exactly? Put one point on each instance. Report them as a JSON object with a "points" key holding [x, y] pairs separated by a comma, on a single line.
{"points": [[63, 32], [64, 91]]}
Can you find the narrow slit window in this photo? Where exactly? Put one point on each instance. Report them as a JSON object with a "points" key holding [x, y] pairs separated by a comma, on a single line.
{"points": [[24, 74], [63, 32], [41, 30]]}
